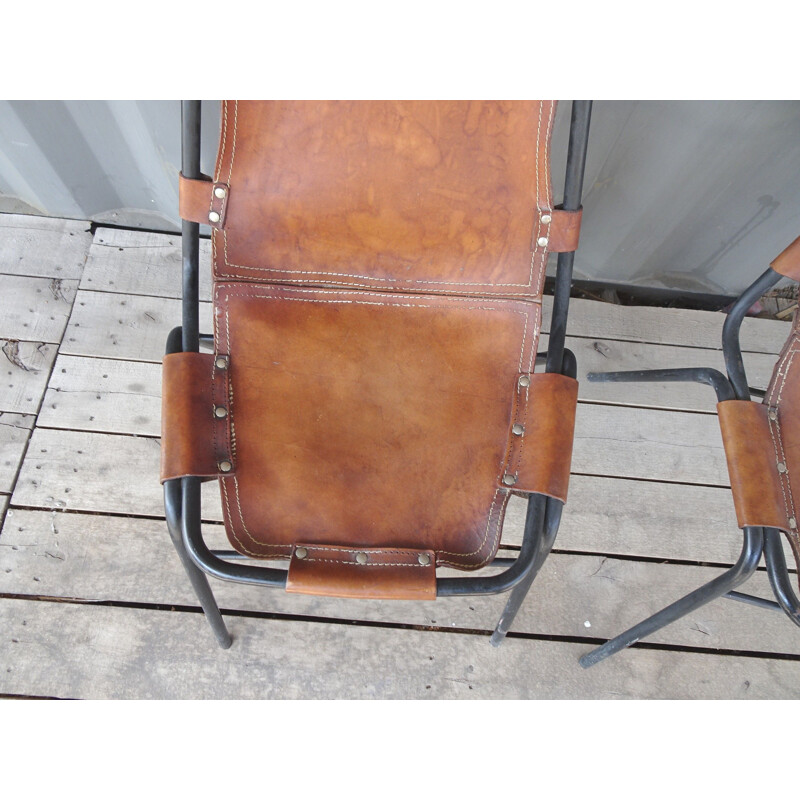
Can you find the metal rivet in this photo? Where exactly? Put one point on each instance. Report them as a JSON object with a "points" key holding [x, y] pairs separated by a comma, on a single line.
{"points": [[546, 219], [213, 216], [301, 552], [225, 466], [220, 412], [773, 415], [542, 241], [221, 362], [219, 192], [524, 381], [781, 466], [792, 522], [518, 429], [424, 559], [509, 480], [361, 558]]}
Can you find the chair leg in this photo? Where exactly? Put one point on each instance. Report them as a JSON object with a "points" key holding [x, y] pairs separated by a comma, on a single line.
{"points": [[740, 572], [174, 511], [779, 576], [520, 591]]}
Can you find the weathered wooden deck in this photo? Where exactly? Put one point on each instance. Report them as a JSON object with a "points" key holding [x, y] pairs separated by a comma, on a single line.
{"points": [[94, 604]]}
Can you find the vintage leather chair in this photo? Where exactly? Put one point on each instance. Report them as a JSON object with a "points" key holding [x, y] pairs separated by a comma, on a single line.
{"points": [[370, 404], [762, 448]]}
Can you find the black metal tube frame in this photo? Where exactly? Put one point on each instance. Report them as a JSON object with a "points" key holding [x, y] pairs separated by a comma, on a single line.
{"points": [[757, 541], [182, 496]]}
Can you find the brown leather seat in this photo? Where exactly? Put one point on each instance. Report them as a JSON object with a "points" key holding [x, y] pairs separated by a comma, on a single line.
{"points": [[371, 402]]}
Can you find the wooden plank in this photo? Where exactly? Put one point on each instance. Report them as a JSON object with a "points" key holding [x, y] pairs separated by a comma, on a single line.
{"points": [[649, 444], [97, 472], [43, 246], [118, 396], [98, 559], [141, 263], [14, 432], [25, 368], [124, 326], [67, 650], [675, 326], [35, 309], [99, 394]]}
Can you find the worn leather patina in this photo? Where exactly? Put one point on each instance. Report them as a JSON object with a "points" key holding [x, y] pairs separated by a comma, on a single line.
{"points": [[378, 271]]}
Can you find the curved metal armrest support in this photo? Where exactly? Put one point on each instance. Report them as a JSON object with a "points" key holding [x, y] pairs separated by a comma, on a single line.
{"points": [[779, 575], [707, 375]]}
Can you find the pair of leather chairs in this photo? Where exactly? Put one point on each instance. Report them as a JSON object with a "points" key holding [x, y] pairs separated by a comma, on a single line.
{"points": [[372, 400]]}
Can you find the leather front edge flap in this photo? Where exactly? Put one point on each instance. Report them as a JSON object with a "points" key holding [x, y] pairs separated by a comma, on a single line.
{"points": [[371, 573], [752, 464], [539, 451], [565, 230], [204, 201], [195, 435], [788, 262]]}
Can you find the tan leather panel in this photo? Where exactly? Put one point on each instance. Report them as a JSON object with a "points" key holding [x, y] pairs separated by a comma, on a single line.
{"points": [[752, 466], [422, 196], [782, 402], [376, 419], [565, 231], [542, 432], [381, 574], [788, 262], [194, 441]]}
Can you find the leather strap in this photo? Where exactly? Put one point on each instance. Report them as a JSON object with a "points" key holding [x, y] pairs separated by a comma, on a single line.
{"points": [[564, 230], [203, 201], [788, 262], [752, 464], [195, 436], [539, 451], [371, 573]]}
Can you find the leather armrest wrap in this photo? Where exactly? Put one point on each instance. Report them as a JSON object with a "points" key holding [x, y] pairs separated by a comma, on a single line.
{"points": [[788, 262], [752, 464], [539, 457], [376, 573], [193, 440]]}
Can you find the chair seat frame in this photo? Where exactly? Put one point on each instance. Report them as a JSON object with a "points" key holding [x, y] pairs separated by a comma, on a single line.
{"points": [[182, 495]]}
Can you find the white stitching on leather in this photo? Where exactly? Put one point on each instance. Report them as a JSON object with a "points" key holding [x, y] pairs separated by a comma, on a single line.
{"points": [[775, 432], [276, 294]]}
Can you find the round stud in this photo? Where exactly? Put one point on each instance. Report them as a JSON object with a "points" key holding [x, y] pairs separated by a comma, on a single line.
{"points": [[518, 429], [773, 415], [220, 412], [225, 466], [509, 480], [546, 219], [524, 381], [221, 362], [781, 466], [213, 216], [424, 559], [219, 192], [542, 241], [361, 558], [301, 552], [792, 523]]}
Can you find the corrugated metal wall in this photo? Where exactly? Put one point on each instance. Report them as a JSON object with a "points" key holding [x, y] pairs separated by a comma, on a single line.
{"points": [[696, 196]]}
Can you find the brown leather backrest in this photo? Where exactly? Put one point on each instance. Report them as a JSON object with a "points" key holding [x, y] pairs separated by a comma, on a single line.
{"points": [[434, 197]]}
